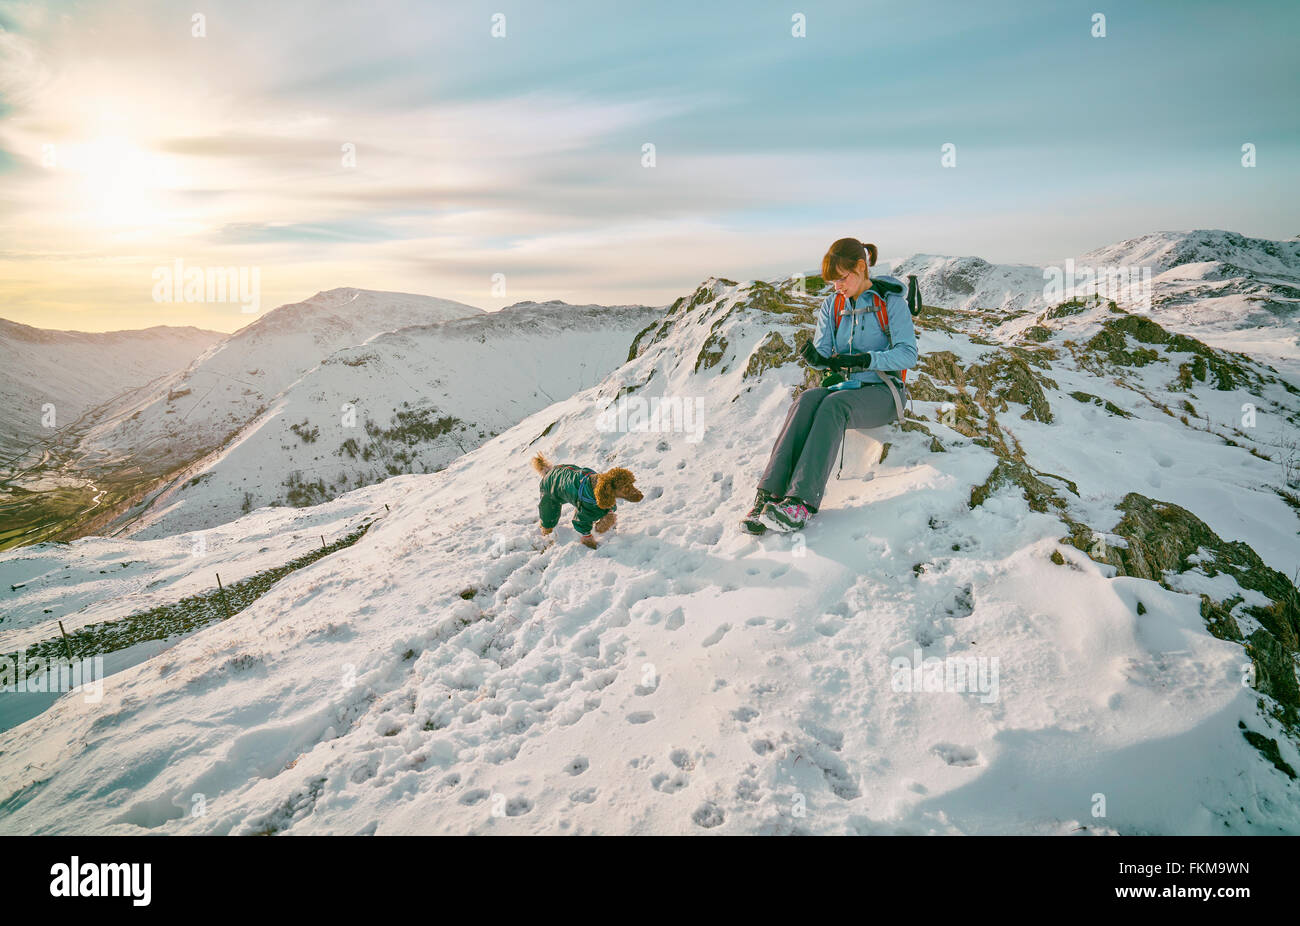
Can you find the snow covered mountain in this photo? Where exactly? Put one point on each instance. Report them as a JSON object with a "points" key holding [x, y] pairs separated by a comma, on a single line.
{"points": [[231, 384], [1215, 282], [90, 477], [974, 283], [1060, 604], [408, 401], [1238, 292], [76, 371]]}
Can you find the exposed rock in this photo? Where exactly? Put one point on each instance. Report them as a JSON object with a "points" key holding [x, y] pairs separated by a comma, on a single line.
{"points": [[1010, 378], [1111, 407], [1228, 368], [1269, 749], [771, 353], [944, 366], [1038, 494]]}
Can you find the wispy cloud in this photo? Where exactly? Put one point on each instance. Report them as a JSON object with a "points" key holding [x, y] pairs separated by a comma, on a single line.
{"points": [[403, 146]]}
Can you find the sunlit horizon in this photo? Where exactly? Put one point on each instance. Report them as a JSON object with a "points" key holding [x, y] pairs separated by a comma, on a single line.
{"points": [[410, 149]]}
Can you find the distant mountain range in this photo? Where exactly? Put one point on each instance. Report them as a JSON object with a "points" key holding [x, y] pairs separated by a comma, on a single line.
{"points": [[1208, 281], [190, 428], [49, 379]]}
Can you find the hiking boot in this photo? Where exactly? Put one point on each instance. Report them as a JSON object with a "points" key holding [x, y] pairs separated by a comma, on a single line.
{"points": [[789, 514], [751, 524]]}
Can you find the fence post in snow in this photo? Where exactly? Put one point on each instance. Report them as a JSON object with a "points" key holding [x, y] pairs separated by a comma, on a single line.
{"points": [[66, 644], [224, 602]]}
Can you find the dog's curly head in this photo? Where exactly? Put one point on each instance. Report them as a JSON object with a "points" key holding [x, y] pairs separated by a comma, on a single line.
{"points": [[615, 484]]}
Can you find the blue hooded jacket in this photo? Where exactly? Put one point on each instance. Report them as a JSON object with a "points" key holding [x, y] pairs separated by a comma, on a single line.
{"points": [[859, 332]]}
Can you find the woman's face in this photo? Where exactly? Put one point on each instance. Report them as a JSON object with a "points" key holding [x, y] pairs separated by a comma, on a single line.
{"points": [[853, 282]]}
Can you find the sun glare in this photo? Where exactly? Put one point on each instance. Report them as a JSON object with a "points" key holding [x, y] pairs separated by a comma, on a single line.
{"points": [[116, 183]]}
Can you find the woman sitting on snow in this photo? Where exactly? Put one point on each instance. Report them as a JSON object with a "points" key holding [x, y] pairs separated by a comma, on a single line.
{"points": [[863, 390]]}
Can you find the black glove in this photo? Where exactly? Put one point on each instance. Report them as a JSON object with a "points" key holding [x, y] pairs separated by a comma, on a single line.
{"points": [[812, 358], [830, 379], [841, 361]]}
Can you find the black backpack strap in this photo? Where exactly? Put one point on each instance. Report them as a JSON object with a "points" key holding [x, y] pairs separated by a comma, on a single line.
{"points": [[913, 295]]}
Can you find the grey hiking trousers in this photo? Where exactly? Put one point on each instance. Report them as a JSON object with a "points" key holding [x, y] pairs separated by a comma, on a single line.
{"points": [[805, 449]]}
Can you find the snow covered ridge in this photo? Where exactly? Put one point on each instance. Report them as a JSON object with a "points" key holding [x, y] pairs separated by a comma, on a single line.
{"points": [[405, 401], [234, 381], [52, 378], [246, 422], [1216, 284], [1081, 496]]}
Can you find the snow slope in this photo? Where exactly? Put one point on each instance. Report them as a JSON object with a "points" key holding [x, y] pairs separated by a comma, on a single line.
{"points": [[974, 283], [200, 407], [76, 371], [369, 412], [449, 673], [1230, 290]]}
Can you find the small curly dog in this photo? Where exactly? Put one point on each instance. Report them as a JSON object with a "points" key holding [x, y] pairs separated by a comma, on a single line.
{"points": [[593, 495]]}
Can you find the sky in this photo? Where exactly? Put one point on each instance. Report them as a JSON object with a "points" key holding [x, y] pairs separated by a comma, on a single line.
{"points": [[499, 150]]}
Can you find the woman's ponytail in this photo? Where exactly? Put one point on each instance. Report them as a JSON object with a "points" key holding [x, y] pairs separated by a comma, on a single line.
{"points": [[872, 253]]}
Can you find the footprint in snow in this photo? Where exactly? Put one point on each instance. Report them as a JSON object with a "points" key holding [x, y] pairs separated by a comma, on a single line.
{"points": [[963, 604], [649, 689], [577, 765], [822, 734], [669, 784], [708, 815], [716, 635], [829, 628], [708, 535], [955, 754], [640, 717], [518, 806]]}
